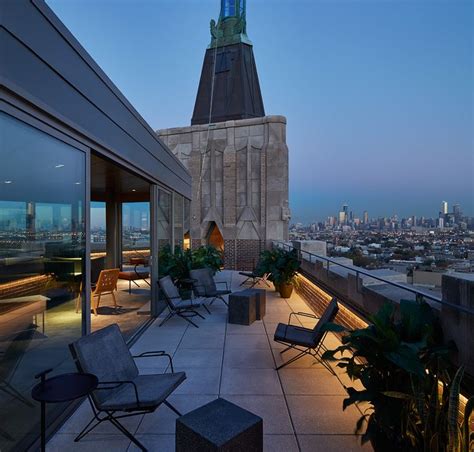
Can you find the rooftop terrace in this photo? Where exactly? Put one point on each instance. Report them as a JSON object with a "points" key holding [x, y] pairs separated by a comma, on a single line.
{"points": [[301, 405]]}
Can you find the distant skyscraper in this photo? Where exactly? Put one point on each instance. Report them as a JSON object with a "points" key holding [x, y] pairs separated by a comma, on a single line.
{"points": [[457, 212], [444, 207], [342, 217], [366, 217]]}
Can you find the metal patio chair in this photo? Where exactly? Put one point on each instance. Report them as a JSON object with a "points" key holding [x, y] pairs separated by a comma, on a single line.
{"points": [[176, 305], [205, 286], [307, 341], [255, 278], [122, 392]]}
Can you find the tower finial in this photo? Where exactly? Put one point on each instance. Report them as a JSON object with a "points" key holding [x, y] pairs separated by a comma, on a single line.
{"points": [[231, 27]]}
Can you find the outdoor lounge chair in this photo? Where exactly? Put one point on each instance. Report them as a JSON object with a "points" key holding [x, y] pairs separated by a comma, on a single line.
{"points": [[176, 305], [255, 278], [306, 340], [122, 392], [205, 286]]}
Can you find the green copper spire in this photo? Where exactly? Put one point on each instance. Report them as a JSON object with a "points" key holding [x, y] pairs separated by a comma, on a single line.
{"points": [[231, 28]]}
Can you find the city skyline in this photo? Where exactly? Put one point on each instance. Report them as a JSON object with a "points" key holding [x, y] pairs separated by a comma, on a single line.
{"points": [[378, 97], [445, 208]]}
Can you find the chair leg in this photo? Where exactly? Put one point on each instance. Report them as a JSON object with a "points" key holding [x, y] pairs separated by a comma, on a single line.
{"points": [[172, 408], [115, 300], [222, 299], [206, 308], [188, 320], [170, 314], [96, 304], [298, 356], [120, 427]]}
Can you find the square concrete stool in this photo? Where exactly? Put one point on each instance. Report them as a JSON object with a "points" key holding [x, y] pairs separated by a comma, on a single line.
{"points": [[219, 426], [261, 302], [242, 307]]}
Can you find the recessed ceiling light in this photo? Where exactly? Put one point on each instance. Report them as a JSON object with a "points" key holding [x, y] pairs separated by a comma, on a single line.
{"points": [[59, 165], [133, 189], [78, 183], [8, 181]]}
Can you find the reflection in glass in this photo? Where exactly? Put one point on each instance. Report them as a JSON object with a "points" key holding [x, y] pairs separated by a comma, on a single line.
{"points": [[136, 226], [164, 219], [178, 219], [187, 224], [42, 251]]}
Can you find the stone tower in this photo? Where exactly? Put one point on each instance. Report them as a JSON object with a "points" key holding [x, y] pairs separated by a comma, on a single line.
{"points": [[237, 156]]}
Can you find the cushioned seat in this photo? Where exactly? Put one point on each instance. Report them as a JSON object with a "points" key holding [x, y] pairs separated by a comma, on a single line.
{"points": [[152, 390], [294, 334]]}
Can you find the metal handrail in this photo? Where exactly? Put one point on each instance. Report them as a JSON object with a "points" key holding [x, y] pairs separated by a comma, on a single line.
{"points": [[420, 294]]}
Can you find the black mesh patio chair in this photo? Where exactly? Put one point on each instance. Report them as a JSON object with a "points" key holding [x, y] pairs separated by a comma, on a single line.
{"points": [[204, 285], [122, 392], [307, 341], [255, 278], [176, 305]]}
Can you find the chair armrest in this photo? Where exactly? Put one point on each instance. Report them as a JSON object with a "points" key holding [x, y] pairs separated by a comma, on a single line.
{"points": [[303, 314], [223, 282], [154, 354], [117, 384]]}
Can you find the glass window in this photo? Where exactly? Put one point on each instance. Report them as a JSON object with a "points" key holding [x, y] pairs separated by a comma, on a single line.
{"points": [[187, 224], [42, 252], [228, 8], [164, 219], [136, 227], [178, 220]]}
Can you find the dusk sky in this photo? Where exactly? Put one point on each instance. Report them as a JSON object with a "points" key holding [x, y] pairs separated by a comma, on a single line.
{"points": [[378, 95]]}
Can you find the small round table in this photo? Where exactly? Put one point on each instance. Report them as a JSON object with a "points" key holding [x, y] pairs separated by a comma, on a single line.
{"points": [[60, 388]]}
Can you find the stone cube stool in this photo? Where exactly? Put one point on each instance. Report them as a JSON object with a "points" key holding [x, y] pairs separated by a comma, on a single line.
{"points": [[242, 307], [261, 302], [219, 426]]}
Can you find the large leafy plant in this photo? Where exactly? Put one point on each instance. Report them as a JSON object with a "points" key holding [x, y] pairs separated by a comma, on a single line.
{"points": [[285, 266], [409, 387], [178, 264], [207, 257]]}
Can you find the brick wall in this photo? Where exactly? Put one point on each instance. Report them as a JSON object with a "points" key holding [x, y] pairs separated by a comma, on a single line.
{"points": [[318, 300]]}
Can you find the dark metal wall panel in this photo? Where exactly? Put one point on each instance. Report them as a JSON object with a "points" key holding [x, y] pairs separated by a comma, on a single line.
{"points": [[41, 58]]}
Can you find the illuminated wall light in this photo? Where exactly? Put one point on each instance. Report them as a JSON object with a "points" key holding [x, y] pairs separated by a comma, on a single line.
{"points": [[78, 183], [133, 189], [8, 182], [59, 165]]}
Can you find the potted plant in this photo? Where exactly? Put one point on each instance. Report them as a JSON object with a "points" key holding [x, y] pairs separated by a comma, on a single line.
{"points": [[285, 269], [207, 257], [266, 264], [177, 265], [410, 387]]}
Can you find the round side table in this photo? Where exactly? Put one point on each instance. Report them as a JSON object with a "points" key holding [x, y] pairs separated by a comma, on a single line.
{"points": [[60, 388]]}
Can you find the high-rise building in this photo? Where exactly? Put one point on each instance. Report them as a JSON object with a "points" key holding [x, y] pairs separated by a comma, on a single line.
{"points": [[237, 156], [444, 207], [457, 212], [366, 217]]}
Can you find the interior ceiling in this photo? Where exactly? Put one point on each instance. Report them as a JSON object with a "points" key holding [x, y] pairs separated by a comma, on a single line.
{"points": [[110, 181]]}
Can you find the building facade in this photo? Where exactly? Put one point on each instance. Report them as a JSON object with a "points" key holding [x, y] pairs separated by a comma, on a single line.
{"points": [[237, 156], [74, 154]]}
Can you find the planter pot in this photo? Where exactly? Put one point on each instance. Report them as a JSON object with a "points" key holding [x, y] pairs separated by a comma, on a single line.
{"points": [[285, 290]]}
